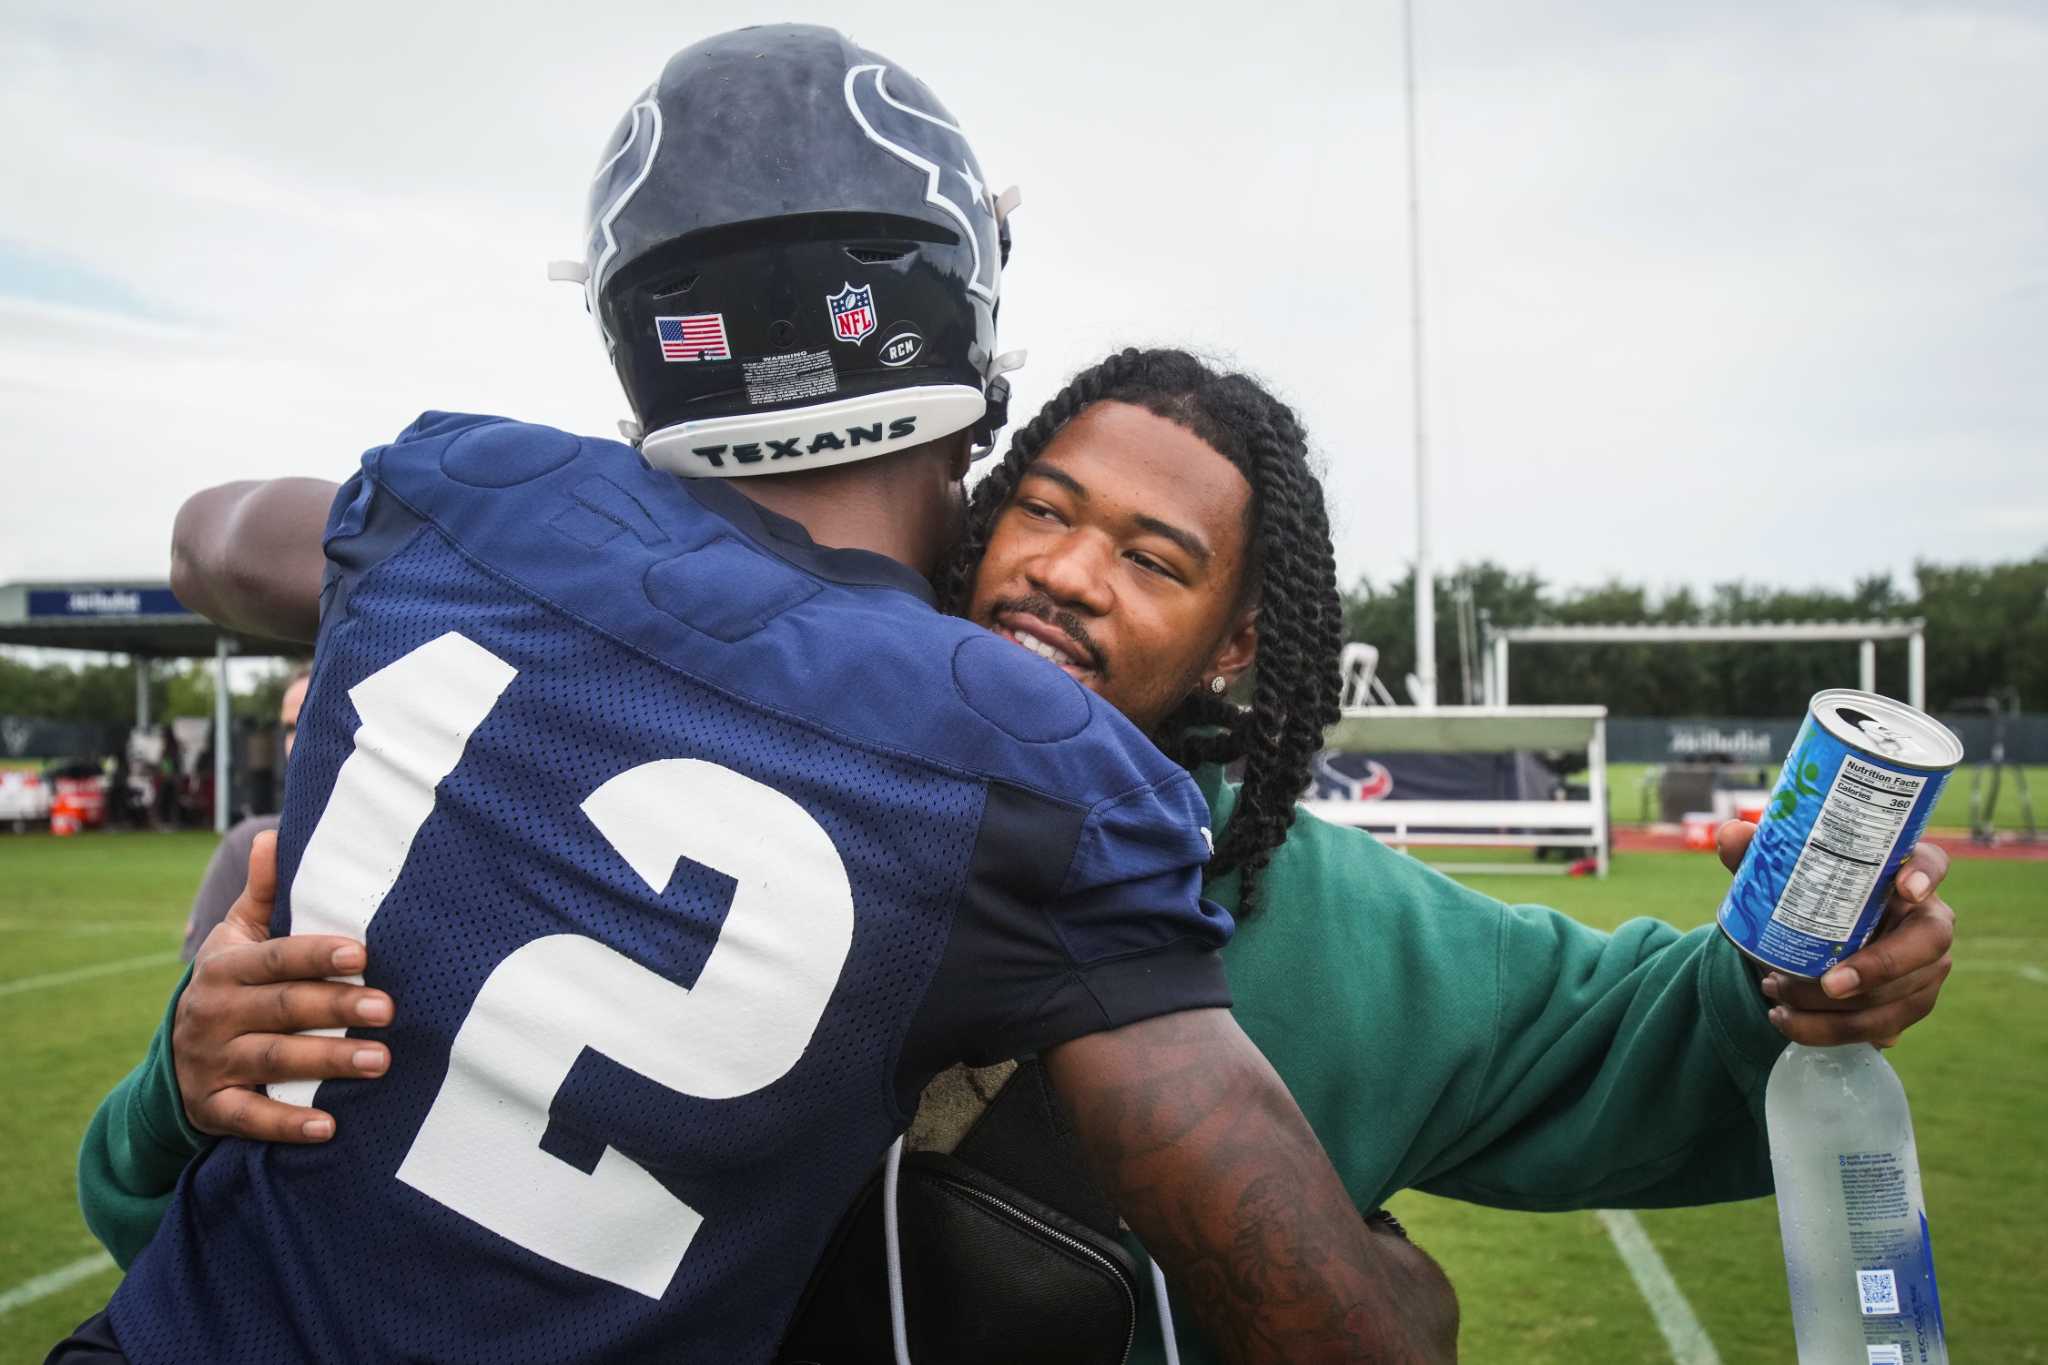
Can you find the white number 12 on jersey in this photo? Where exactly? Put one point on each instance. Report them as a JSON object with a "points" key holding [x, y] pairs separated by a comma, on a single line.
{"points": [[743, 1025]]}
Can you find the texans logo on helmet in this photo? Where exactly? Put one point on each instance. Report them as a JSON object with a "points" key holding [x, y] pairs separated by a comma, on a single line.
{"points": [[928, 142], [622, 172]]}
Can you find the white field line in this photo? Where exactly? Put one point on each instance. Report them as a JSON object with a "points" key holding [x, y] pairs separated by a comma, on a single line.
{"points": [[2026, 971], [63, 1277], [126, 964], [77, 928], [1688, 1340]]}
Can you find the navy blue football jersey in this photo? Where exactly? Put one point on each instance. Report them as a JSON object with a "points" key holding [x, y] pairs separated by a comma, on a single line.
{"points": [[689, 850]]}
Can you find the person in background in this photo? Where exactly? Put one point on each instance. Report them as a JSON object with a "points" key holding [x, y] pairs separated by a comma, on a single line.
{"points": [[163, 792], [229, 867]]}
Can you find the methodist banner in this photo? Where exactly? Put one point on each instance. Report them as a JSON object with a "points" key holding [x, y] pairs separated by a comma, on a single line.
{"points": [[88, 602], [1744, 742], [1632, 739]]}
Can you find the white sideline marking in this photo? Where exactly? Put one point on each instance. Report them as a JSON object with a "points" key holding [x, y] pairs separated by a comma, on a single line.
{"points": [[126, 964], [98, 926], [42, 1286], [2026, 971], [1688, 1340]]}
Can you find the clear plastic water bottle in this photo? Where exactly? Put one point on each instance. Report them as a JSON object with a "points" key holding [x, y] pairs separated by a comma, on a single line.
{"points": [[1857, 1257]]}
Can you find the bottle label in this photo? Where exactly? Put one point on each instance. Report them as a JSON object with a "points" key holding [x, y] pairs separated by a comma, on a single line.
{"points": [[1894, 1260]]}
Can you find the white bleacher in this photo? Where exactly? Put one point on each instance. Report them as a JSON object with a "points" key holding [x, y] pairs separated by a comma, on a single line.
{"points": [[1381, 729]]}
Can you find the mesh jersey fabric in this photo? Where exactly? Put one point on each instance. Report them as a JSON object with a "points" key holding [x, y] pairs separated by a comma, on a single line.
{"points": [[1022, 868]]}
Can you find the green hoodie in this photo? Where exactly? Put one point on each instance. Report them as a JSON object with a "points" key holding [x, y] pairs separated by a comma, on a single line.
{"points": [[1506, 1055], [1434, 1037]]}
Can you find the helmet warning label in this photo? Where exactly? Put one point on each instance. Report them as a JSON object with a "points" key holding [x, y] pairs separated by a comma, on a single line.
{"points": [[791, 378]]}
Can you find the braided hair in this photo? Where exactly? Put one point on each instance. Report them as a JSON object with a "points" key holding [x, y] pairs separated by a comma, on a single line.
{"points": [[1290, 573]]}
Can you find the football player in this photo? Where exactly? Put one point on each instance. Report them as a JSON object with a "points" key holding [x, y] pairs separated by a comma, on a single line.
{"points": [[1140, 534], [693, 838]]}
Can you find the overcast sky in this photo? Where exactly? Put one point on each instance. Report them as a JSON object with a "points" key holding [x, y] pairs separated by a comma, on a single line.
{"points": [[1721, 290]]}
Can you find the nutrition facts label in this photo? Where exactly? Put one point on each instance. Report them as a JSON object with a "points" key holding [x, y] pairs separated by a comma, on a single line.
{"points": [[1860, 820]]}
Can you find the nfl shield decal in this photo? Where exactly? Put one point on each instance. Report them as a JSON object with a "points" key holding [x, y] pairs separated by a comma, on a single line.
{"points": [[853, 312]]}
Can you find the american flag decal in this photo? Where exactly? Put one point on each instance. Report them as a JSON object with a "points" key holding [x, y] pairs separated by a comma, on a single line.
{"points": [[701, 337]]}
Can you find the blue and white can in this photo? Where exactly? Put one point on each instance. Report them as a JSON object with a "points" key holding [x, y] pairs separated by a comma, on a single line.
{"points": [[1855, 792]]}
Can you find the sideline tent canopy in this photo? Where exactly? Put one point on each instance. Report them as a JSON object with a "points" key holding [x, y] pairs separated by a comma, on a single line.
{"points": [[144, 620]]}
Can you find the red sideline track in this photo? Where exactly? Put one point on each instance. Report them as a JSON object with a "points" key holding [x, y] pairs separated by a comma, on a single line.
{"points": [[1955, 842]]}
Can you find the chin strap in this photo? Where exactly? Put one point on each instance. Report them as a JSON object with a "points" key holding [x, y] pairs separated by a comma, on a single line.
{"points": [[1166, 1336], [899, 1334], [1006, 204], [996, 415]]}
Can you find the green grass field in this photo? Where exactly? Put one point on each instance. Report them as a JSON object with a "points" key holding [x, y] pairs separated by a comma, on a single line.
{"points": [[88, 929]]}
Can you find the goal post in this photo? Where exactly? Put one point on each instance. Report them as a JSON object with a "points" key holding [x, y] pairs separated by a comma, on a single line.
{"points": [[1864, 634]]}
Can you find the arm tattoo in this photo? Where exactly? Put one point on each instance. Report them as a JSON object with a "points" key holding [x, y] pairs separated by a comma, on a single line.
{"points": [[1204, 1152]]}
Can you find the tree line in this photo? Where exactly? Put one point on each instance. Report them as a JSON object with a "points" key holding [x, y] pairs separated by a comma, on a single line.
{"points": [[102, 693], [1987, 629]]}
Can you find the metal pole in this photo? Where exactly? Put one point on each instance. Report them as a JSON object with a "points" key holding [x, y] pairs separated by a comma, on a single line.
{"points": [[1500, 670], [141, 692], [1866, 659], [1916, 671], [1462, 605], [222, 737], [1596, 787], [1425, 577]]}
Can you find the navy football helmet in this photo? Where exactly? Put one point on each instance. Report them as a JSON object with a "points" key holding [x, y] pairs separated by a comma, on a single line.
{"points": [[794, 260]]}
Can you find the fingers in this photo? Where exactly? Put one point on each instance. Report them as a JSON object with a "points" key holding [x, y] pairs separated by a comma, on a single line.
{"points": [[240, 1023], [262, 884], [252, 908], [1731, 840], [1921, 935], [1875, 994], [213, 1012], [290, 1007], [294, 957], [265, 1059], [1921, 874], [1810, 996], [248, 1114], [229, 933], [1833, 1028]]}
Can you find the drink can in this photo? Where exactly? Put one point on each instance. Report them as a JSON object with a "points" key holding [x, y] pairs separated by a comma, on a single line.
{"points": [[1855, 792]]}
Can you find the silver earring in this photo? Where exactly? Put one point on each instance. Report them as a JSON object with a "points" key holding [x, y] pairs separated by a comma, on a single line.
{"points": [[1218, 685]]}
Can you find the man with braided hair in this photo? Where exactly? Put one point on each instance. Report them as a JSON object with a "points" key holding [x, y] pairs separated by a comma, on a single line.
{"points": [[1435, 1038], [1285, 610], [1156, 529]]}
